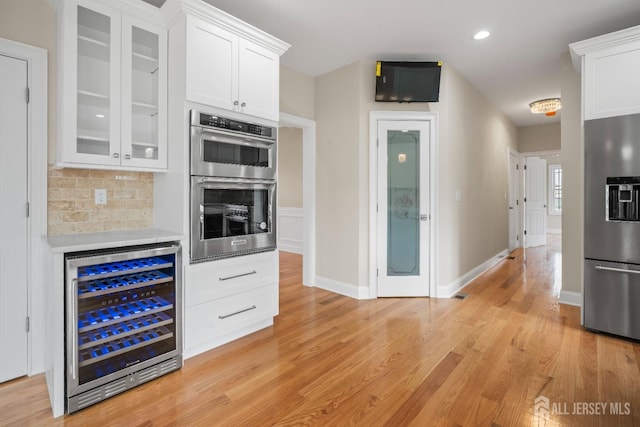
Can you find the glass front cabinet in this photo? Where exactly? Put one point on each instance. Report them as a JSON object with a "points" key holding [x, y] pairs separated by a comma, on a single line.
{"points": [[113, 85]]}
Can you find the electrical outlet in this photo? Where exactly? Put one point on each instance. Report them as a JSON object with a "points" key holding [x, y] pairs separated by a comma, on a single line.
{"points": [[101, 196]]}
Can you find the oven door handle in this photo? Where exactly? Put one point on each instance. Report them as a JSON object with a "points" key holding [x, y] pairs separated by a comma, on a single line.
{"points": [[617, 270], [234, 138], [216, 180]]}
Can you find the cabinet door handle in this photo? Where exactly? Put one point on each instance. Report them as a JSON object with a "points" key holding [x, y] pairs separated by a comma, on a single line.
{"points": [[222, 279], [116, 155], [224, 316], [235, 103], [617, 270], [244, 104], [127, 156]]}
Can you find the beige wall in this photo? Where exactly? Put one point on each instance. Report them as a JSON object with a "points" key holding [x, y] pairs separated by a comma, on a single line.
{"points": [[337, 110], [539, 138], [473, 142], [297, 93], [573, 185], [290, 167], [473, 159], [33, 22]]}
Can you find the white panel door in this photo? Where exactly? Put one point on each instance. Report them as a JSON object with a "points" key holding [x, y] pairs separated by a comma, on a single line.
{"points": [[13, 218], [514, 182], [535, 202], [403, 208]]}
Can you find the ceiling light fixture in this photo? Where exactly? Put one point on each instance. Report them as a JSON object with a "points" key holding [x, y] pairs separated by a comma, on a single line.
{"points": [[547, 106], [481, 35]]}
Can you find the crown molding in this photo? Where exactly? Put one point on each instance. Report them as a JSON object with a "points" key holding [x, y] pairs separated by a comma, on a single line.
{"points": [[173, 9], [584, 47]]}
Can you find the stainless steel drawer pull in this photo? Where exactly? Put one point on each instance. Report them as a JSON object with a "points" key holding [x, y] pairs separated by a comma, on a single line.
{"points": [[619, 270], [222, 279], [253, 307]]}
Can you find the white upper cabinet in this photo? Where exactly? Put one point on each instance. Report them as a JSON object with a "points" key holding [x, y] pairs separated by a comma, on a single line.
{"points": [[113, 88], [610, 66], [228, 70]]}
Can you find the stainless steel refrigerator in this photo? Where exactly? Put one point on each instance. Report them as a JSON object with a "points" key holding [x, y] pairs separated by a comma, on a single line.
{"points": [[611, 296]]}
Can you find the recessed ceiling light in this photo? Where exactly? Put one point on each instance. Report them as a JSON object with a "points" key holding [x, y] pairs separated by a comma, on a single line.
{"points": [[100, 116], [481, 35]]}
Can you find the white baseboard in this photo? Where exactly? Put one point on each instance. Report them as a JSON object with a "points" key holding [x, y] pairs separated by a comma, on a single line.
{"points": [[290, 229], [554, 231], [447, 291], [570, 298], [347, 289], [290, 246]]}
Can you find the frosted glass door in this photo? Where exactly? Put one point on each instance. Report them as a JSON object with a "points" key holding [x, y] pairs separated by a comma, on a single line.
{"points": [[403, 208], [403, 201]]}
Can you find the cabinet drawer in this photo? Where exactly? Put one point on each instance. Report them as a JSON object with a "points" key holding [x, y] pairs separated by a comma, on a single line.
{"points": [[217, 279], [212, 320]]}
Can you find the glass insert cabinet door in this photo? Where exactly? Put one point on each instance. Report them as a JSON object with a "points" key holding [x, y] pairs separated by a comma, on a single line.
{"points": [[403, 206], [97, 114], [144, 100]]}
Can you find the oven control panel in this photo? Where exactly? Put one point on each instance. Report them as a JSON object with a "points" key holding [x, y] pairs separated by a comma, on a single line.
{"points": [[218, 122]]}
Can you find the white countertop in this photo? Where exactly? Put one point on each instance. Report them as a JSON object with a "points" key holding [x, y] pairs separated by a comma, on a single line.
{"points": [[109, 239]]}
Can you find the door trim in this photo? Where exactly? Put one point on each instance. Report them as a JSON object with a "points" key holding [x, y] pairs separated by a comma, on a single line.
{"points": [[37, 149], [374, 118], [308, 193]]}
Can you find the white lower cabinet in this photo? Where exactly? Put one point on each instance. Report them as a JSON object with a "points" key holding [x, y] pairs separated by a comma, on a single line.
{"points": [[227, 299]]}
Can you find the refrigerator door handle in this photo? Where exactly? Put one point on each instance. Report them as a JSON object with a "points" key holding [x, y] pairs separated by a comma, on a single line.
{"points": [[619, 270]]}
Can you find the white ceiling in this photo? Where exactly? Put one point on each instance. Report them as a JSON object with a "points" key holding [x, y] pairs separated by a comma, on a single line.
{"points": [[519, 63]]}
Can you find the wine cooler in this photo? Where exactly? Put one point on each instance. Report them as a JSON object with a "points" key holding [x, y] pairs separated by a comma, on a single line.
{"points": [[124, 327]]}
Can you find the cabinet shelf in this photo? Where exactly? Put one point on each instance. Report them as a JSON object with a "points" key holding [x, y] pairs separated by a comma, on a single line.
{"points": [[94, 99], [144, 63], [93, 48], [144, 108], [89, 135], [145, 144]]}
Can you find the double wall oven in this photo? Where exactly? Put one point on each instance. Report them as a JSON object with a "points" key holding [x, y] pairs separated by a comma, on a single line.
{"points": [[233, 187]]}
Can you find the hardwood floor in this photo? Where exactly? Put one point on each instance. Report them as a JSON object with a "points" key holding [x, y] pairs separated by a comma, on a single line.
{"points": [[333, 360]]}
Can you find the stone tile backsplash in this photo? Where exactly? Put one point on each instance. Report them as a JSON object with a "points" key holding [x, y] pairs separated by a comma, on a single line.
{"points": [[71, 200]]}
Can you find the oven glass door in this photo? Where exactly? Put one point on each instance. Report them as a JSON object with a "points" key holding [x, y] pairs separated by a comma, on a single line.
{"points": [[230, 212], [225, 154], [231, 216]]}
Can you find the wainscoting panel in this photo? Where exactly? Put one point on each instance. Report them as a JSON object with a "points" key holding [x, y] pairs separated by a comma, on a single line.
{"points": [[290, 230]]}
